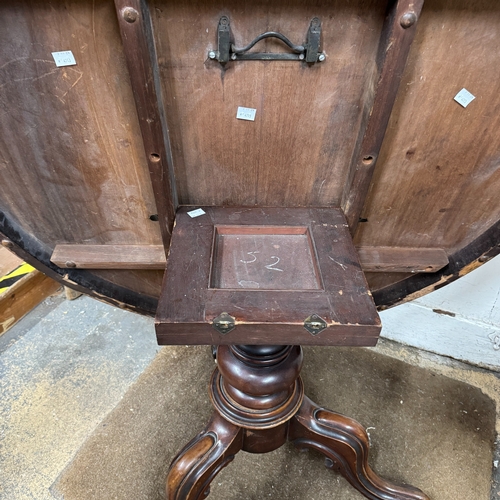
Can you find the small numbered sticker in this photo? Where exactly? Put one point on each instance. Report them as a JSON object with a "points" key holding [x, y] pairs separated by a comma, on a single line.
{"points": [[196, 213], [464, 98], [64, 58], [246, 114]]}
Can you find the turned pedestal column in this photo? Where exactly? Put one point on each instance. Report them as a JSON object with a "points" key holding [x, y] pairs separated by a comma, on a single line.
{"points": [[259, 403]]}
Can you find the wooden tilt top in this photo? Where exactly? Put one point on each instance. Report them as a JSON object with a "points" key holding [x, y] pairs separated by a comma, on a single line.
{"points": [[96, 157]]}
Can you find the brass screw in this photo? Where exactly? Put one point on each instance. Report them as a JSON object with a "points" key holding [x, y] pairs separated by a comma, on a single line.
{"points": [[130, 14], [408, 19]]}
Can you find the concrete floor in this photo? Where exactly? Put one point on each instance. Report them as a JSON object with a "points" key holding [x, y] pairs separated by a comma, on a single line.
{"points": [[92, 408]]}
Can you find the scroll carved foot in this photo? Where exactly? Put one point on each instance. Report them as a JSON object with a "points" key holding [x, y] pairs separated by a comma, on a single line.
{"points": [[345, 444], [194, 468]]}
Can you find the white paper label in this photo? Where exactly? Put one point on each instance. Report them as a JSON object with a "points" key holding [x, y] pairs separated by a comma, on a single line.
{"points": [[246, 114], [64, 58], [196, 213], [464, 98]]}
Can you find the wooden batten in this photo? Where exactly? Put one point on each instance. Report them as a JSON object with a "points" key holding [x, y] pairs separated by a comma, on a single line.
{"points": [[372, 259], [109, 256], [397, 36], [402, 260], [140, 54]]}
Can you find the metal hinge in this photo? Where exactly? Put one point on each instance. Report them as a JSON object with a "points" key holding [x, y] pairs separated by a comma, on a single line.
{"points": [[224, 323], [314, 324], [308, 52]]}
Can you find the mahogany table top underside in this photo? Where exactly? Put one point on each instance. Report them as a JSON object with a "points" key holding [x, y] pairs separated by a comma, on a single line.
{"points": [[104, 152]]}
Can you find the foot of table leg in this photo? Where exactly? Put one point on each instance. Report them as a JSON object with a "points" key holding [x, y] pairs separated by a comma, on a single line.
{"points": [[193, 469], [345, 444]]}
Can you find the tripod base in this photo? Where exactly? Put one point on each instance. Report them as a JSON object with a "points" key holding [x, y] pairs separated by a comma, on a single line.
{"points": [[260, 413]]}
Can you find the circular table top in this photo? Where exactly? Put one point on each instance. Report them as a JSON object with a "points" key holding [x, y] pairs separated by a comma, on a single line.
{"points": [[103, 151]]}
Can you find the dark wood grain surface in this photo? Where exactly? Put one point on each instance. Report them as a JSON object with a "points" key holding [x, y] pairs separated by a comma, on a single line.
{"points": [[74, 167], [298, 149], [142, 61], [438, 172], [70, 162], [395, 42], [194, 294]]}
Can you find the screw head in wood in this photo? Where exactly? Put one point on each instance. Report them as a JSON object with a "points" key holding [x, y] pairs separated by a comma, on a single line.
{"points": [[212, 54], [70, 263], [7, 244], [408, 19], [321, 57], [130, 14]]}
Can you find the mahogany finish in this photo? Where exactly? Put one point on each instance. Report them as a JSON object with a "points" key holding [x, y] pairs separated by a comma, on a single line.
{"points": [[298, 149], [345, 444], [270, 269], [76, 142], [217, 264], [260, 403], [102, 152]]}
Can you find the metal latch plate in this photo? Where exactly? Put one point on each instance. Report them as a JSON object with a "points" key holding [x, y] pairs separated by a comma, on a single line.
{"points": [[315, 324], [224, 323]]}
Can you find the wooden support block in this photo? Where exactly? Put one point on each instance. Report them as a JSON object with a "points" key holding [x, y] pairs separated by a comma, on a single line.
{"points": [[402, 260], [109, 256], [275, 276], [372, 259], [23, 296]]}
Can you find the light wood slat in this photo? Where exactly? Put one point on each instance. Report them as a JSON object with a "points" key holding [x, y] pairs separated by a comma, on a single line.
{"points": [[23, 296], [373, 259], [8, 261]]}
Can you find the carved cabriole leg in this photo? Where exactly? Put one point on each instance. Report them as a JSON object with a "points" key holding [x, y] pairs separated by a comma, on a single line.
{"points": [[259, 401], [345, 444], [193, 469]]}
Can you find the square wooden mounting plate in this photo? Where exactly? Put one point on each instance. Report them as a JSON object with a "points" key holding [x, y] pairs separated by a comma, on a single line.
{"points": [[270, 269]]}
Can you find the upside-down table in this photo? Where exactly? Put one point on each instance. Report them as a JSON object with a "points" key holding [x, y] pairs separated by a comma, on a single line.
{"points": [[259, 175]]}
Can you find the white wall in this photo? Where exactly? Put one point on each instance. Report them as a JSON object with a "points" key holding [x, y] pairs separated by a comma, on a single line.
{"points": [[469, 332]]}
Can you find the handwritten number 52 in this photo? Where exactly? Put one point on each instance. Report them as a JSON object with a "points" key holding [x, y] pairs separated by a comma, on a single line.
{"points": [[268, 266]]}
